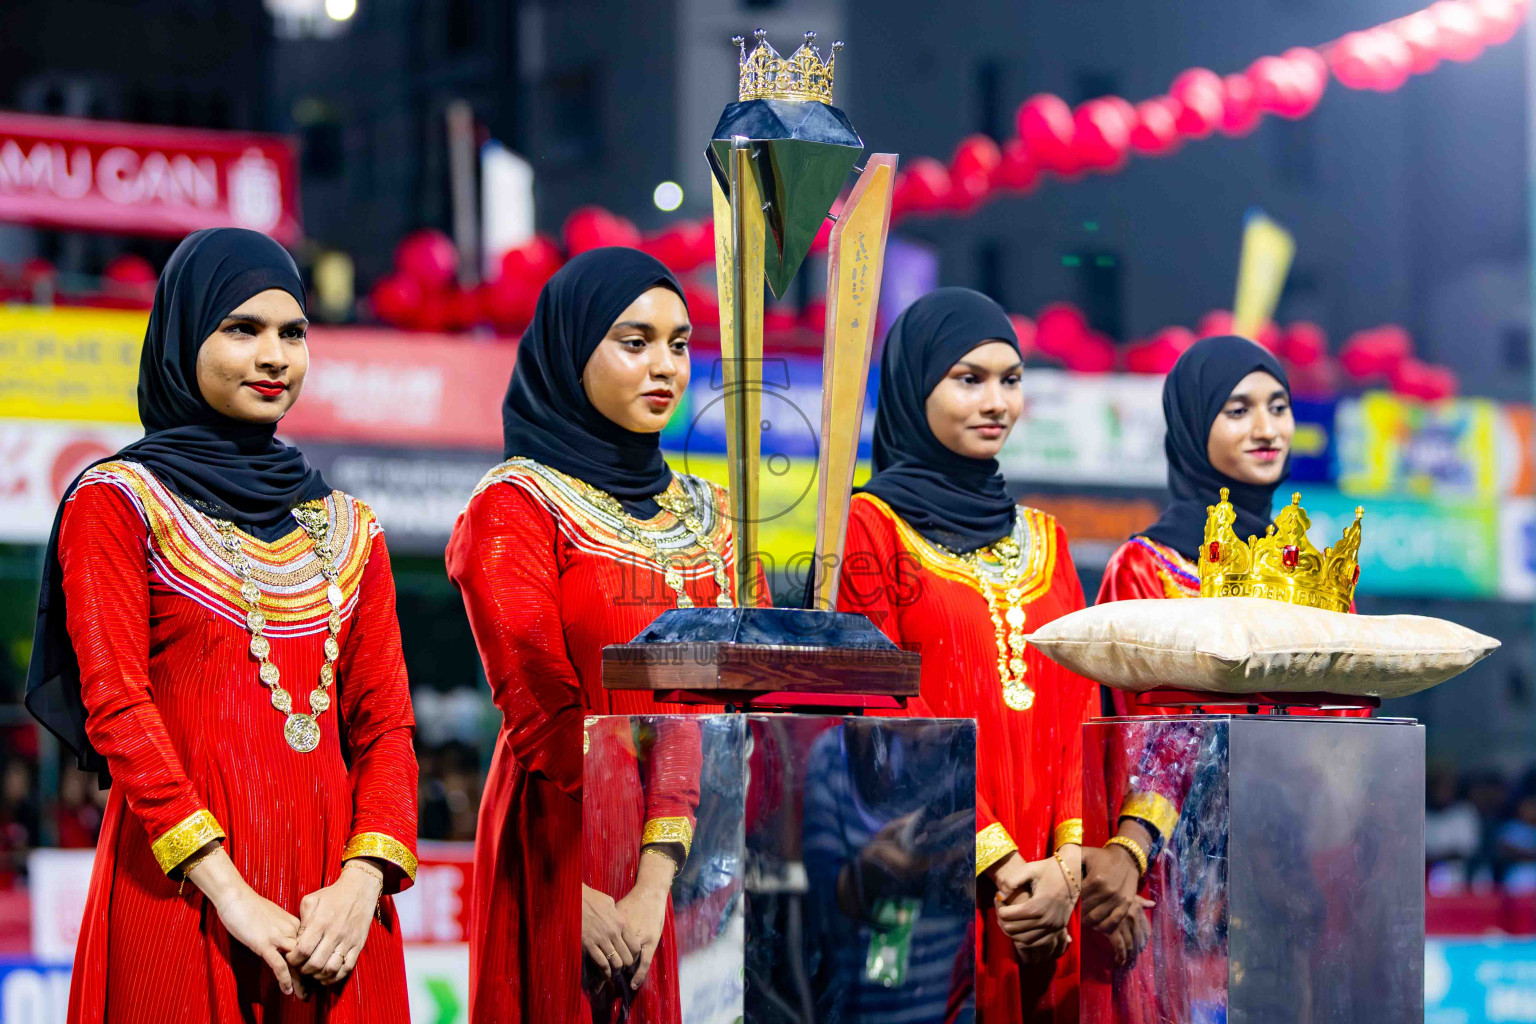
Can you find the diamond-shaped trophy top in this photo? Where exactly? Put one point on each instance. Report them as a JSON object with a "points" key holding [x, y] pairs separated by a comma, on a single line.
{"points": [[803, 147]]}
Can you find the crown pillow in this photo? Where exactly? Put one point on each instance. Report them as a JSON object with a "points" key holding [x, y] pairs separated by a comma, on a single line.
{"points": [[1245, 645]]}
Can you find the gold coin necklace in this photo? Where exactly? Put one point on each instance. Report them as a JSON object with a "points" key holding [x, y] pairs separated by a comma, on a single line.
{"points": [[683, 507], [300, 730], [1007, 619]]}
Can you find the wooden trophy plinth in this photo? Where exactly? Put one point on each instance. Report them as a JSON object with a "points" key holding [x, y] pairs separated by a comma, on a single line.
{"points": [[765, 658]]}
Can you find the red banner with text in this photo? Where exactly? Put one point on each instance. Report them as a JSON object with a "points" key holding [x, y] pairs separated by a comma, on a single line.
{"points": [[145, 179]]}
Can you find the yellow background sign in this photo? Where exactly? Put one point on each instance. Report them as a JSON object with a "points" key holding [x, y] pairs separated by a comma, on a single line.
{"points": [[70, 364]]}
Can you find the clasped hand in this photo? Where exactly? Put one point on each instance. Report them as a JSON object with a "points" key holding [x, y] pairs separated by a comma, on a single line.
{"points": [[322, 943], [1034, 907], [622, 935], [1111, 904]]}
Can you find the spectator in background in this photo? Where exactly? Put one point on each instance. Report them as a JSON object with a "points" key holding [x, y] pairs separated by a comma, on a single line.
{"points": [[1453, 832], [1515, 841], [18, 819], [1488, 793], [77, 817]]}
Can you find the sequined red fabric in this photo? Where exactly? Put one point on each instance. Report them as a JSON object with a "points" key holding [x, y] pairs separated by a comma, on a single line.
{"points": [[175, 705], [1028, 763], [546, 587]]}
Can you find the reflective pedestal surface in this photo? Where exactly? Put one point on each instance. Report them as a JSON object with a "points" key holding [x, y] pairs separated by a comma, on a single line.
{"points": [[831, 876], [1290, 887]]}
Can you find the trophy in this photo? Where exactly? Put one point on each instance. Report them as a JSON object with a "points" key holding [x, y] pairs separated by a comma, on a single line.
{"points": [[784, 822], [780, 157]]}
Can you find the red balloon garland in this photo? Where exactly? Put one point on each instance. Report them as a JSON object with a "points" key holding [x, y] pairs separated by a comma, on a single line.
{"points": [[1099, 136]]}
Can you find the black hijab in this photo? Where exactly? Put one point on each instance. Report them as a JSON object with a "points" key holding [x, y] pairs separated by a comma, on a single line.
{"points": [[959, 503], [1193, 395], [230, 468], [547, 416]]}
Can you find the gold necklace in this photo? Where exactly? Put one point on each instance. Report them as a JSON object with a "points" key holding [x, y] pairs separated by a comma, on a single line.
{"points": [[682, 506], [1007, 619], [300, 730]]}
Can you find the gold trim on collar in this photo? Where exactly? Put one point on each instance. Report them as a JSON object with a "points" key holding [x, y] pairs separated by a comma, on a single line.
{"points": [[1034, 532]]}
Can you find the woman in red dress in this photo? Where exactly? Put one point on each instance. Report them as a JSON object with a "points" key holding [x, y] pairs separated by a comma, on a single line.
{"points": [[207, 600], [579, 540], [942, 560], [1229, 425]]}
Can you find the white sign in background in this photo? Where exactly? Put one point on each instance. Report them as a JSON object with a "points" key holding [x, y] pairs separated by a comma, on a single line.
{"points": [[38, 459]]}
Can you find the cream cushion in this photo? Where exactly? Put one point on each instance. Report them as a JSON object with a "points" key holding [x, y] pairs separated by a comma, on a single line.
{"points": [[1255, 645]]}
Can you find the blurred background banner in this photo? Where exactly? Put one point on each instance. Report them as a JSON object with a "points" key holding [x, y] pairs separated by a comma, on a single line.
{"points": [[68, 173]]}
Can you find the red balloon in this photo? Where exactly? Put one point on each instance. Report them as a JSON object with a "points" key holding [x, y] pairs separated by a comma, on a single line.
{"points": [[926, 185], [970, 171], [1158, 353], [669, 245], [1311, 70], [1024, 329], [429, 258], [1271, 338], [1200, 94], [1215, 323], [1059, 327], [130, 269], [1282, 86], [1156, 131], [1375, 352], [700, 237], [1102, 133], [461, 309], [509, 303], [395, 299], [1017, 170], [703, 305], [1240, 113], [592, 227], [535, 260], [1501, 19], [1091, 353], [1394, 60], [1305, 344], [1423, 381], [814, 316], [1045, 124], [1421, 32], [1460, 29], [1355, 61]]}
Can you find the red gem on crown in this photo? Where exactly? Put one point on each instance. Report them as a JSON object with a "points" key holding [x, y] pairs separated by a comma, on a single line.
{"points": [[1290, 556], [1215, 551]]}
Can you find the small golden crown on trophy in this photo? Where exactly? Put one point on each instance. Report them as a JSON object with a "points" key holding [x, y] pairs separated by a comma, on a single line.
{"points": [[767, 76], [1283, 565]]}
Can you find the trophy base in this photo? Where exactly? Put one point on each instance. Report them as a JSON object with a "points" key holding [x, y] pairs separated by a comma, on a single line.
{"points": [[763, 657]]}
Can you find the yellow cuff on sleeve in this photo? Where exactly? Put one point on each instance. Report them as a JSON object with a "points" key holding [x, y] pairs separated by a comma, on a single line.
{"points": [[993, 843], [1069, 832], [184, 839], [668, 830], [1154, 809], [384, 847]]}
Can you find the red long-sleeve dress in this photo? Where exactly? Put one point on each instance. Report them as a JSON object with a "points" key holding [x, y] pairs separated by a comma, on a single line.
{"points": [[197, 751], [549, 577], [1028, 762], [1148, 776]]}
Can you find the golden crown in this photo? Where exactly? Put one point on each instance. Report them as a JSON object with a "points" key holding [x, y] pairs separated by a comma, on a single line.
{"points": [[767, 76], [1283, 564]]}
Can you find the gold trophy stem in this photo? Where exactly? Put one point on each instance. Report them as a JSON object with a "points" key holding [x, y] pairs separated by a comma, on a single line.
{"points": [[855, 262], [739, 250]]}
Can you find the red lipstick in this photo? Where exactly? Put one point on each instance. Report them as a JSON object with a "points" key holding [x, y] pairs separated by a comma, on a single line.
{"points": [[269, 388]]}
